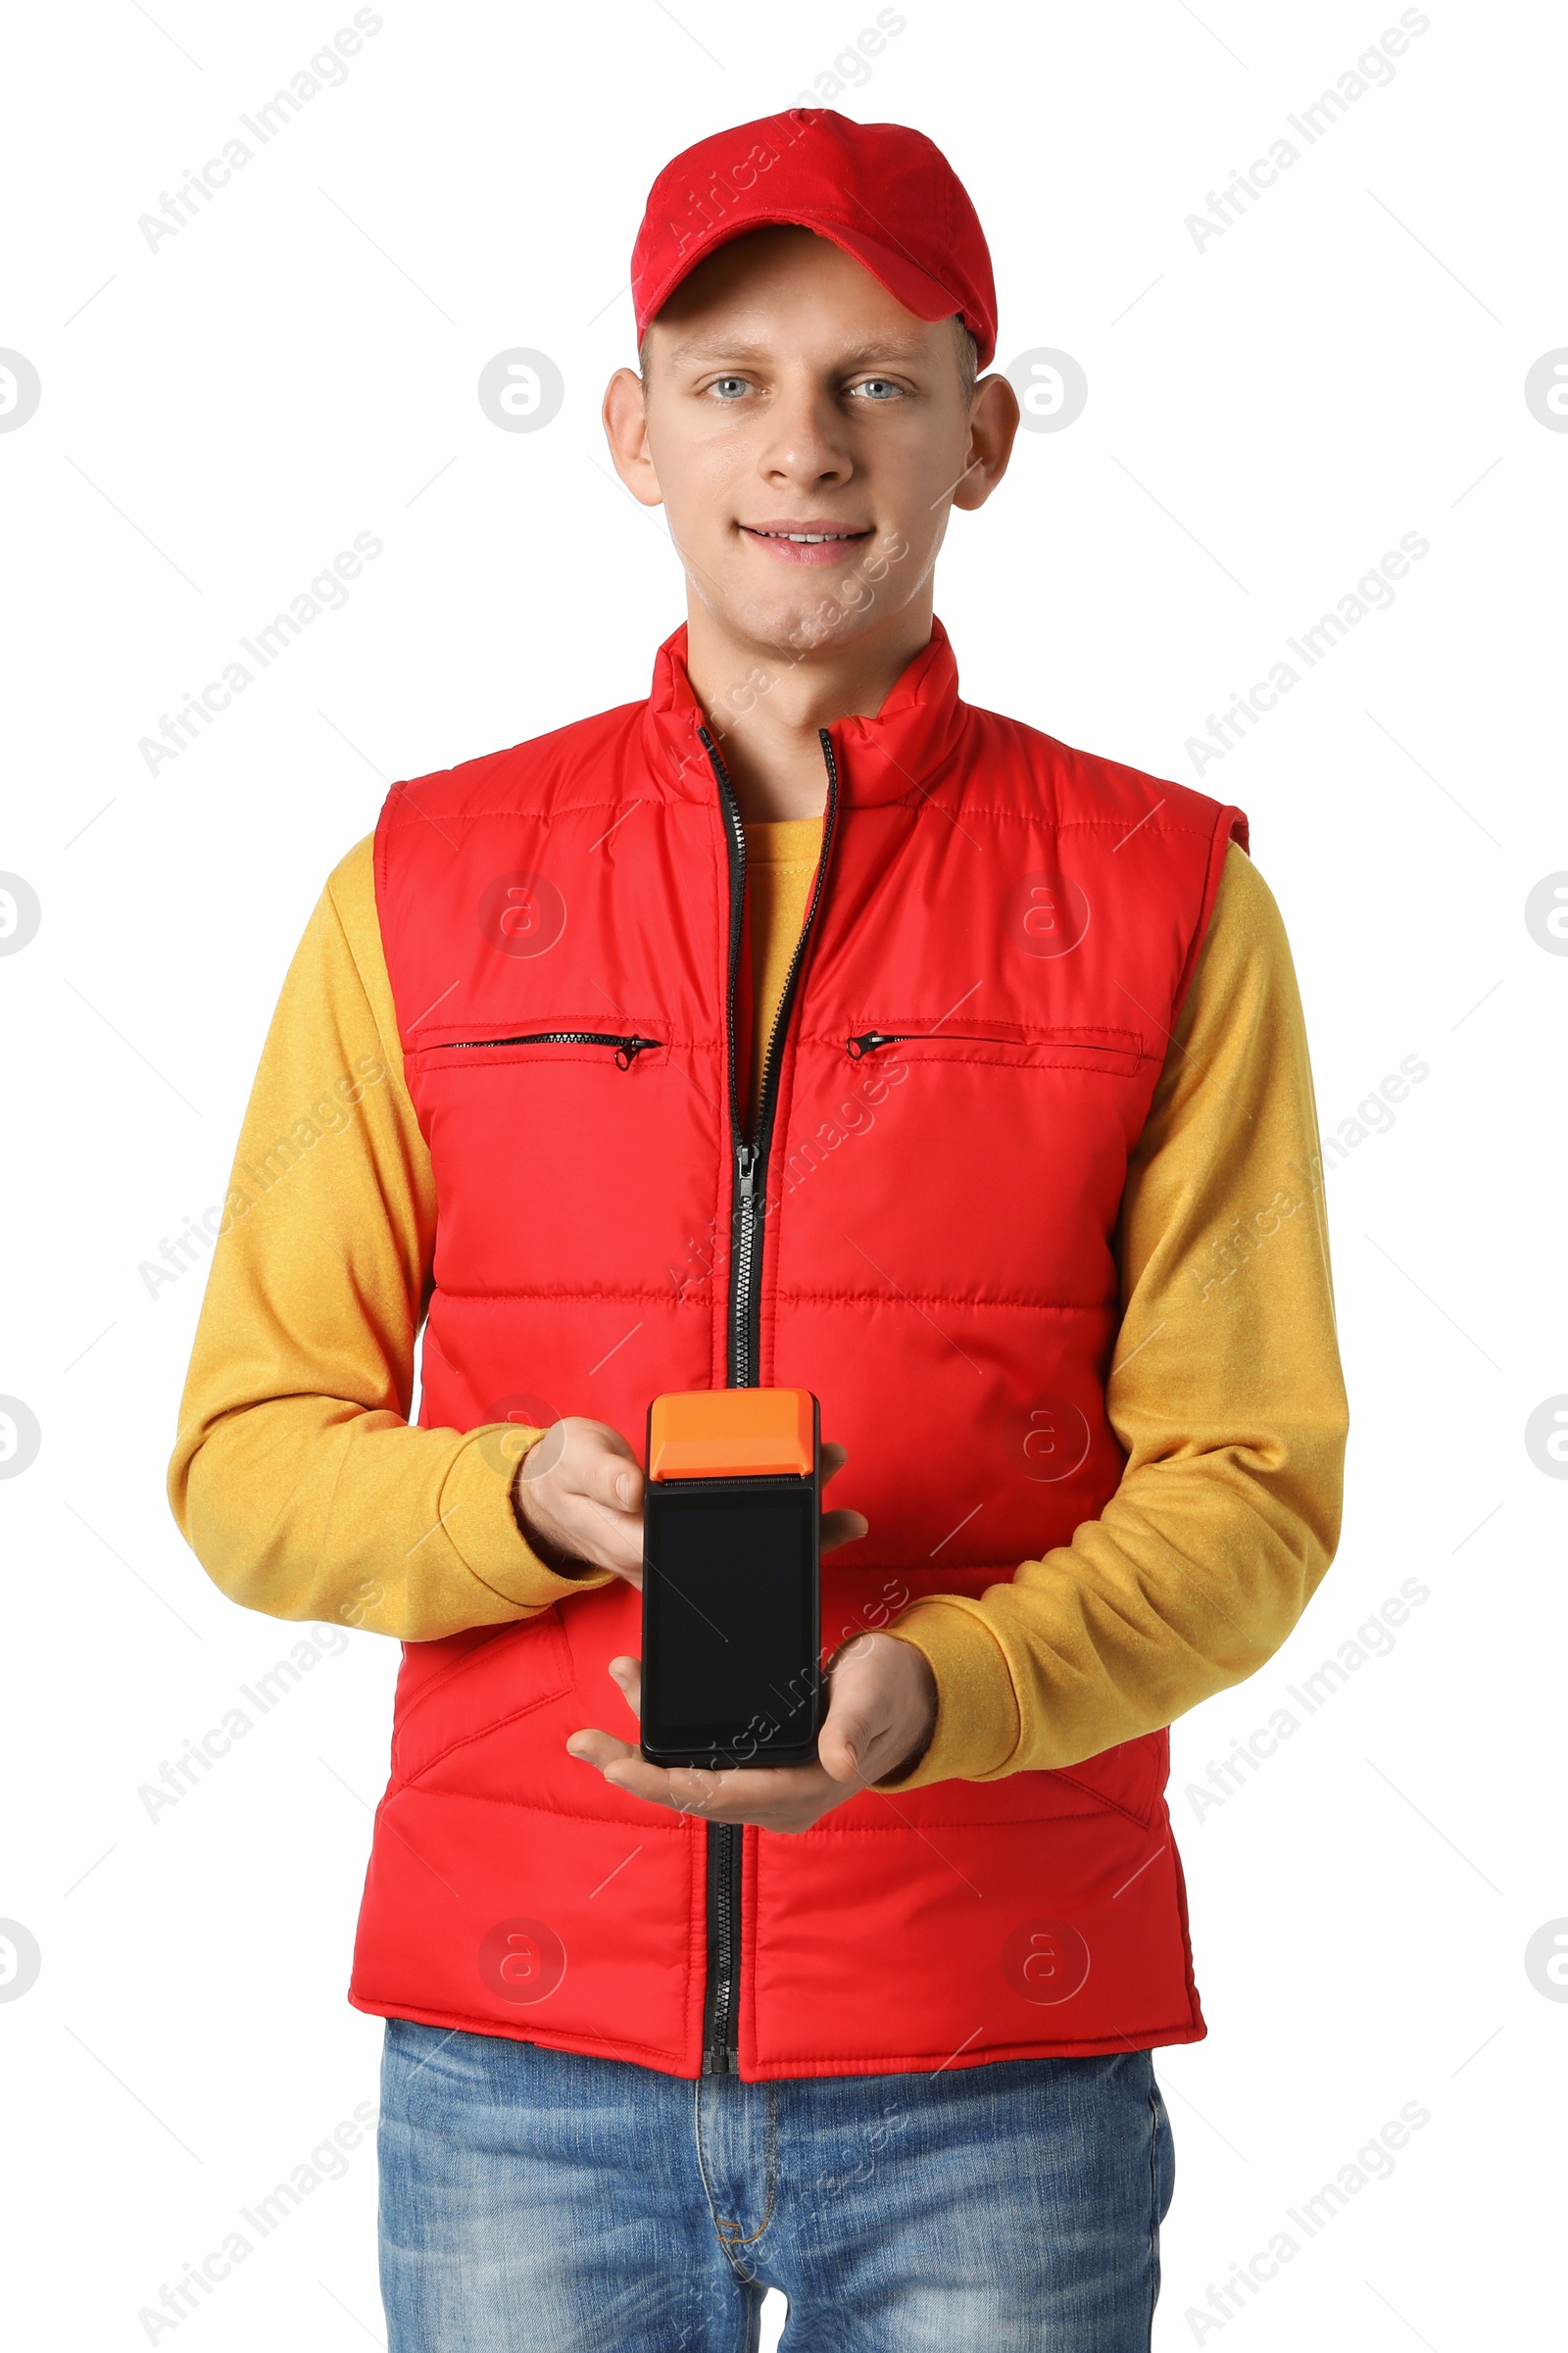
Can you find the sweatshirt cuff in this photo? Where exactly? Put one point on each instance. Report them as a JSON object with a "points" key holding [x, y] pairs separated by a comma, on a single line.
{"points": [[479, 1523], [977, 1709]]}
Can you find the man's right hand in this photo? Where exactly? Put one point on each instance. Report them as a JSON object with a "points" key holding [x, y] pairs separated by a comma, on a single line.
{"points": [[578, 1498]]}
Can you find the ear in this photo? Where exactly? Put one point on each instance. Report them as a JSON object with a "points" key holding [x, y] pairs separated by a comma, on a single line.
{"points": [[992, 430], [626, 419]]}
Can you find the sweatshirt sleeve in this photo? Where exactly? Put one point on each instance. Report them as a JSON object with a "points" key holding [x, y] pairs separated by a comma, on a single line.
{"points": [[295, 1478], [1225, 1390]]}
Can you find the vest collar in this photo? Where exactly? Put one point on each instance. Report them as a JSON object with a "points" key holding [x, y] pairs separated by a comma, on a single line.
{"points": [[879, 758]]}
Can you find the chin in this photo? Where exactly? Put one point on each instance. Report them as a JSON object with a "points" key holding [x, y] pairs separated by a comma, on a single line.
{"points": [[798, 624]]}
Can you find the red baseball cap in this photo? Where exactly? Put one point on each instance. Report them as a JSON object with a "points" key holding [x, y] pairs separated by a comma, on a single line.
{"points": [[887, 195]]}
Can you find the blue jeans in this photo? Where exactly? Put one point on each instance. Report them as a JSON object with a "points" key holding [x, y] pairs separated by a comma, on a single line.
{"points": [[533, 2201]]}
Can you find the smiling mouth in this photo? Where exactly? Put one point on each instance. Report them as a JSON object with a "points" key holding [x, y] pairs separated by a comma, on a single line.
{"points": [[804, 538]]}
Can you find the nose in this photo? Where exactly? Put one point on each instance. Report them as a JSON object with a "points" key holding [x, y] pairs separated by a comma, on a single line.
{"points": [[805, 445]]}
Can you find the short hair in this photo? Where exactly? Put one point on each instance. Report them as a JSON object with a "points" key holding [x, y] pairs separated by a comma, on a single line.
{"points": [[968, 358], [965, 350]]}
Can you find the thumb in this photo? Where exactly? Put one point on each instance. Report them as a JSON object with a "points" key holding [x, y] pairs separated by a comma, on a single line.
{"points": [[613, 1478], [845, 1740]]}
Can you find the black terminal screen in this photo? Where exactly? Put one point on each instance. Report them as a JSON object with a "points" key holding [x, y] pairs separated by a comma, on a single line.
{"points": [[731, 1618]]}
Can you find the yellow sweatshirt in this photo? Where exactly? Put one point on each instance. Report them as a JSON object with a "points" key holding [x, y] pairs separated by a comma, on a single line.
{"points": [[303, 1492]]}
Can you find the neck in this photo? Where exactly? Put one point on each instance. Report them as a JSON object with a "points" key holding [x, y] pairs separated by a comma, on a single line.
{"points": [[771, 750]]}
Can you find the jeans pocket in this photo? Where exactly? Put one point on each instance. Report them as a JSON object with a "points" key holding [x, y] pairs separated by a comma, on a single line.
{"points": [[1163, 2153]]}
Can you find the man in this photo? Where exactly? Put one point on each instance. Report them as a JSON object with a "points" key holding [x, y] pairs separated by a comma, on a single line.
{"points": [[801, 1025]]}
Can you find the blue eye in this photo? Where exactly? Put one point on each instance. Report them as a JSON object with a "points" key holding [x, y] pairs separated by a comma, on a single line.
{"points": [[878, 388], [729, 388]]}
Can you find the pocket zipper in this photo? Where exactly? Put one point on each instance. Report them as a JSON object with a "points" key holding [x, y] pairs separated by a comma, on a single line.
{"points": [[626, 1049], [870, 1040]]}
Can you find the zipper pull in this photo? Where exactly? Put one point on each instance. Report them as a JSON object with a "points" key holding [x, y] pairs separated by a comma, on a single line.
{"points": [[745, 1170], [629, 1049], [866, 1043]]}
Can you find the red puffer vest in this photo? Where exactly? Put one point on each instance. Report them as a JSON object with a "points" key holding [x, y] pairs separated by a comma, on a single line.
{"points": [[920, 1227]]}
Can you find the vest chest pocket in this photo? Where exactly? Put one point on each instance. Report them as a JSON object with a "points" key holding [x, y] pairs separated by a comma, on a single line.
{"points": [[541, 1040], [1104, 1051], [990, 1153], [540, 1126]]}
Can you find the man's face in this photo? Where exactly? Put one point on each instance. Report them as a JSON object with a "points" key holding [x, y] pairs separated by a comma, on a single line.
{"points": [[806, 436]]}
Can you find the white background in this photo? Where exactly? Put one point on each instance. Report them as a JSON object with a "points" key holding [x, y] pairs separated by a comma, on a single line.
{"points": [[219, 416]]}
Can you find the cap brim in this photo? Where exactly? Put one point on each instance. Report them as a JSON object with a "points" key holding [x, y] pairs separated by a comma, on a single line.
{"points": [[904, 278]]}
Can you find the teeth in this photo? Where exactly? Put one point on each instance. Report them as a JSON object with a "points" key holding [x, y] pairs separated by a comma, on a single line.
{"points": [[808, 539]]}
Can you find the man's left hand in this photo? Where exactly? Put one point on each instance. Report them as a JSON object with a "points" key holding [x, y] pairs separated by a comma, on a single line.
{"points": [[882, 1710]]}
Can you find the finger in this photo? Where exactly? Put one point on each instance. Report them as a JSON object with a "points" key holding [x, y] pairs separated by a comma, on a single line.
{"points": [[833, 1460], [683, 1790], [567, 1486], [736, 1796], [592, 1459], [847, 1746], [609, 1474], [601, 1748], [585, 1531], [628, 1673], [842, 1528], [788, 1798], [854, 1734], [614, 1538]]}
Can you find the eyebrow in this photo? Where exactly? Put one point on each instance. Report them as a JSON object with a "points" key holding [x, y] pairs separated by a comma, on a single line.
{"points": [[703, 347]]}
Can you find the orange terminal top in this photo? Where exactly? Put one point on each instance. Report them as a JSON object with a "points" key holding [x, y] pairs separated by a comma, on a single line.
{"points": [[717, 1433]]}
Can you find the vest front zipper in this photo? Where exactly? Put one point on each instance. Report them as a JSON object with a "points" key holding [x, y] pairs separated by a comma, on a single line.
{"points": [[726, 1839], [626, 1049]]}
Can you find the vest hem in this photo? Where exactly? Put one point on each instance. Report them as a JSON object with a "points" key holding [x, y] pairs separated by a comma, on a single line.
{"points": [[1089, 2046], [784, 2069], [584, 2046]]}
